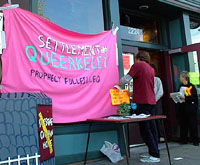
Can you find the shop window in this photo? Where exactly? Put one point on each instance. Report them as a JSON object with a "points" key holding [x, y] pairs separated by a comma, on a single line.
{"points": [[138, 28], [75, 15], [196, 65], [195, 31], [195, 36], [24, 4]]}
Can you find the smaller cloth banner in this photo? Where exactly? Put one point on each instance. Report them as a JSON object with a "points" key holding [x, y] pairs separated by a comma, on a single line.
{"points": [[117, 97]]}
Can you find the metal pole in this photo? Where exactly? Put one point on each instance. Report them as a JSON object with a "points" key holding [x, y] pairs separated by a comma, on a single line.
{"points": [[166, 141], [88, 140], [125, 143]]}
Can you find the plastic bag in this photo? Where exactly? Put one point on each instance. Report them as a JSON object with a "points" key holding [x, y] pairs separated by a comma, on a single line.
{"points": [[112, 151]]}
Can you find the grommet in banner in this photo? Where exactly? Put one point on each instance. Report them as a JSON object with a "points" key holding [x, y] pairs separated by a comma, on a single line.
{"points": [[114, 30]]}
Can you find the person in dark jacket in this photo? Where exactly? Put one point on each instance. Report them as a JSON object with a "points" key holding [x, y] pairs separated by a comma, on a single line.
{"points": [[188, 110]]}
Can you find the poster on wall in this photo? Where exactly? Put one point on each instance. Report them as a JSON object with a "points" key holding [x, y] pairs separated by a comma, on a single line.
{"points": [[45, 132], [194, 78], [126, 61], [75, 70]]}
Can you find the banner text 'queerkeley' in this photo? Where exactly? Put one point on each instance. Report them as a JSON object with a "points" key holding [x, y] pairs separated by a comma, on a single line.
{"points": [[73, 57]]}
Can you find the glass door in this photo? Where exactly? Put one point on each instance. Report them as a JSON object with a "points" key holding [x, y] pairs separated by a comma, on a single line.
{"points": [[177, 60], [128, 53]]}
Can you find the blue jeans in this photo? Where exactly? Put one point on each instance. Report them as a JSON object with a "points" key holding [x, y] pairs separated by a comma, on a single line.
{"points": [[148, 129]]}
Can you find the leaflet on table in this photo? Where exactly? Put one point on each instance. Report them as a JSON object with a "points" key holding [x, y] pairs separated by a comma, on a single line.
{"points": [[134, 116]]}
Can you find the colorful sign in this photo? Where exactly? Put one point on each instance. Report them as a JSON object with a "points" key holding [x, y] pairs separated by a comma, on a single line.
{"points": [[45, 129], [117, 97], [194, 78], [75, 70]]}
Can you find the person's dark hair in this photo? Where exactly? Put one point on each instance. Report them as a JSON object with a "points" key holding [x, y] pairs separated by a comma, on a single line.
{"points": [[143, 56], [154, 67], [185, 74]]}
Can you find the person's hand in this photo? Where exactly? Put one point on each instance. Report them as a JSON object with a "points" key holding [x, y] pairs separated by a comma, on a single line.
{"points": [[119, 84], [182, 97]]}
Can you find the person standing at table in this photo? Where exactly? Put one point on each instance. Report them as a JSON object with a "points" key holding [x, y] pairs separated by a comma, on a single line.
{"points": [[158, 90], [143, 95], [188, 111]]}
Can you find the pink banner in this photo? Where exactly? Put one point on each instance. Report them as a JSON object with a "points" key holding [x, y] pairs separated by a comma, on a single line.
{"points": [[75, 70]]}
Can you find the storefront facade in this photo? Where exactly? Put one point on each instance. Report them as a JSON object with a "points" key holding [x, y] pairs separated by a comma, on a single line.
{"points": [[161, 27]]}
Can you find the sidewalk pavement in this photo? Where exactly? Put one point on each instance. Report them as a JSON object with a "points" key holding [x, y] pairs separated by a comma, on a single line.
{"points": [[190, 156]]}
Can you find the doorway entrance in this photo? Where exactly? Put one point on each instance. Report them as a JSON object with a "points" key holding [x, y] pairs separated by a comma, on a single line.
{"points": [[175, 61], [128, 60]]}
